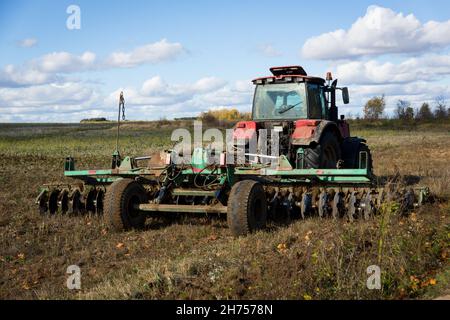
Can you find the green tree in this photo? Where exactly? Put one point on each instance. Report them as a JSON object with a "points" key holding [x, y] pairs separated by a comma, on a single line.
{"points": [[374, 108], [424, 112], [404, 110], [440, 111]]}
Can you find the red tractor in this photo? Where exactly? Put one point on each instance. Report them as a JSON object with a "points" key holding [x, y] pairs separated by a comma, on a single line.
{"points": [[302, 109]]}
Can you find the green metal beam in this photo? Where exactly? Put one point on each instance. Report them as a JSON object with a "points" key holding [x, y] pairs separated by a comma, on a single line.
{"points": [[303, 172]]}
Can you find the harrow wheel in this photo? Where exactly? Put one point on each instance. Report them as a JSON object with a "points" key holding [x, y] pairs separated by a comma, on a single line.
{"points": [[247, 208], [120, 201]]}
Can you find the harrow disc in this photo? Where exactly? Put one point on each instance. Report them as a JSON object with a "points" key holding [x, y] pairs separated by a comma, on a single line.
{"points": [[91, 199], [77, 206], [306, 204], [352, 205], [43, 202], [323, 204], [338, 205], [407, 201], [367, 206], [53, 201], [63, 201]]}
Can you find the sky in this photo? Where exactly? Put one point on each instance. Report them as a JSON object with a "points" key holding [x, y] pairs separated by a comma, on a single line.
{"points": [[179, 58]]}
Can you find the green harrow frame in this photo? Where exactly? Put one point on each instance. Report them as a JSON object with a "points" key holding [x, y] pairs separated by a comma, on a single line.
{"points": [[204, 187]]}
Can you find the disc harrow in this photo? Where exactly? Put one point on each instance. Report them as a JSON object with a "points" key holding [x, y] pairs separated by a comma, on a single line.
{"points": [[202, 187], [71, 199]]}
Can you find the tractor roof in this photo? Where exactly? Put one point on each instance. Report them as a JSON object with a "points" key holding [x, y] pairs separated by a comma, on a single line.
{"points": [[288, 74]]}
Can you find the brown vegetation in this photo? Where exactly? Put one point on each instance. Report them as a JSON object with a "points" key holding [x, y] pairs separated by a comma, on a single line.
{"points": [[195, 257]]}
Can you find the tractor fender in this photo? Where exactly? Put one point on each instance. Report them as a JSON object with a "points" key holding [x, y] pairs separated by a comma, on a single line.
{"points": [[309, 132], [244, 130]]}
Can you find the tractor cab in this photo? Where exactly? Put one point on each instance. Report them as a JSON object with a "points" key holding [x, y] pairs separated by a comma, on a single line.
{"points": [[290, 94]]}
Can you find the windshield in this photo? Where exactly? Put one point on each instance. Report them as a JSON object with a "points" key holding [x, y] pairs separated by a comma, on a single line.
{"points": [[280, 101]]}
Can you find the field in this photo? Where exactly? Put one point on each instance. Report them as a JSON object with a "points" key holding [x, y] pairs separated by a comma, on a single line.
{"points": [[195, 257]]}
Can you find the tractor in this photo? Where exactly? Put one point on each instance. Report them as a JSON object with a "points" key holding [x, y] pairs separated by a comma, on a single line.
{"points": [[315, 168], [302, 109]]}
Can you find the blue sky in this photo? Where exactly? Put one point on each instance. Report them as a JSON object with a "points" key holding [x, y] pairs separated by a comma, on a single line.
{"points": [[178, 58]]}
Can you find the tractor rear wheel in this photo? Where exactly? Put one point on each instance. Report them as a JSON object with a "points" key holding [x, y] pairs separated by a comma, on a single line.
{"points": [[247, 208], [121, 198], [325, 155]]}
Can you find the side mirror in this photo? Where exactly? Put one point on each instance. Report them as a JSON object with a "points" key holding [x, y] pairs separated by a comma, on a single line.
{"points": [[345, 95]]}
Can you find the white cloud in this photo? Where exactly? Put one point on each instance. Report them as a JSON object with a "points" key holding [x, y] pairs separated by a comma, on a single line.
{"points": [[156, 91], [380, 31], [12, 76], [47, 95], [430, 67], [67, 102], [157, 98], [151, 53], [53, 66], [269, 51], [28, 42], [65, 62]]}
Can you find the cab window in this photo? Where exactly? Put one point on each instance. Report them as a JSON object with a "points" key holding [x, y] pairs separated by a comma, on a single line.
{"points": [[316, 101]]}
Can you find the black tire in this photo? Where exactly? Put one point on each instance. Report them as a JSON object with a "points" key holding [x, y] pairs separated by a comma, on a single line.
{"points": [[120, 199], [247, 208], [325, 155]]}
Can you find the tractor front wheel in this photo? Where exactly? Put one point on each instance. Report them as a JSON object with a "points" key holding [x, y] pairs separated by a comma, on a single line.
{"points": [[121, 198], [247, 208]]}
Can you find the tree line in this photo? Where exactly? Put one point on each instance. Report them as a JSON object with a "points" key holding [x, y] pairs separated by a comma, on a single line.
{"points": [[374, 109]]}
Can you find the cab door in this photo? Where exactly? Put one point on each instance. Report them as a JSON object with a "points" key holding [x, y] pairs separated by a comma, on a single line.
{"points": [[316, 101]]}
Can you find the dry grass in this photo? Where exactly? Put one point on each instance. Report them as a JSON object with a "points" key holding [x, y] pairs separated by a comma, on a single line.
{"points": [[196, 257]]}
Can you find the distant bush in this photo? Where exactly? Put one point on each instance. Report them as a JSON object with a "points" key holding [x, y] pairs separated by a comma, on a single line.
{"points": [[163, 121], [404, 110], [424, 112], [222, 116], [440, 110], [94, 120]]}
